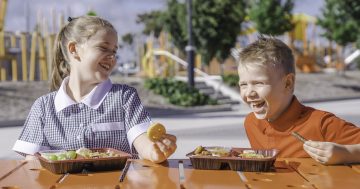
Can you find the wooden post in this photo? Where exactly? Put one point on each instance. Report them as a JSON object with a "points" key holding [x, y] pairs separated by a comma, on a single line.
{"points": [[42, 60], [305, 45], [312, 46], [330, 55], [13, 59], [34, 37], [2, 13], [198, 61], [2, 56], [2, 44], [24, 57], [50, 51]]}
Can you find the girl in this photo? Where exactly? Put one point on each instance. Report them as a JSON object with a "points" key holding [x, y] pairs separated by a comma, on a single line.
{"points": [[85, 109]]}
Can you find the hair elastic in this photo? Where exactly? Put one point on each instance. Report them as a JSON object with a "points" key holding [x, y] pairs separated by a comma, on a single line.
{"points": [[69, 19]]}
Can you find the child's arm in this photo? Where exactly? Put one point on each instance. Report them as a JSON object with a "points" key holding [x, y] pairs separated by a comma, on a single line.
{"points": [[30, 157], [333, 153], [157, 151]]}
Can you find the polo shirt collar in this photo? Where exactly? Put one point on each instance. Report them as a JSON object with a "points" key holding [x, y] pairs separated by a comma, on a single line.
{"points": [[93, 99], [289, 116]]}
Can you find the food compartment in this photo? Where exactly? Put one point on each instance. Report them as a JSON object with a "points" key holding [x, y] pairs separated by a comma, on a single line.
{"points": [[207, 157], [252, 160], [206, 163], [90, 163], [238, 159]]}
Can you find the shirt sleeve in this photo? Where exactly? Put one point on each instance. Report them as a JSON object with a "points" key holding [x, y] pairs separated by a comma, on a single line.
{"points": [[32, 139], [137, 119], [339, 131]]}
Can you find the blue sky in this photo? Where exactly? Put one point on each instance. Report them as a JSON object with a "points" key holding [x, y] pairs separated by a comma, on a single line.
{"points": [[122, 13]]}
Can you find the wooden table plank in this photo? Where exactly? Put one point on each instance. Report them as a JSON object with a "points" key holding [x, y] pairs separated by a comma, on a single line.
{"points": [[282, 177], [211, 179], [141, 174], [90, 180], [356, 167], [297, 173], [31, 175], [322, 176], [145, 174], [7, 166]]}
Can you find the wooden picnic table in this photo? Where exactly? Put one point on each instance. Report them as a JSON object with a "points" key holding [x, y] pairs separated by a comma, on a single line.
{"points": [[288, 173]]}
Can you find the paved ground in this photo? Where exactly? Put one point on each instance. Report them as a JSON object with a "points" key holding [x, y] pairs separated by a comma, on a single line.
{"points": [[213, 128]]}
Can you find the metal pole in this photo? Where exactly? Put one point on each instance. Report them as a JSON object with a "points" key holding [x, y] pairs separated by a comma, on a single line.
{"points": [[190, 48]]}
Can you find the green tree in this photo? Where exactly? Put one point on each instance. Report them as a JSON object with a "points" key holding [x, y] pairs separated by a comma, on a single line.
{"points": [[338, 24], [271, 16], [128, 38], [153, 22], [91, 13], [175, 23], [353, 9], [216, 24]]}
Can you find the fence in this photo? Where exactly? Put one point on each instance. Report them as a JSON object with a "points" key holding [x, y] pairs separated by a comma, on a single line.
{"points": [[25, 56]]}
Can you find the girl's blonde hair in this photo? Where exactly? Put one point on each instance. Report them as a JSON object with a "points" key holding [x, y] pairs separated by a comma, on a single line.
{"points": [[79, 30], [268, 51]]}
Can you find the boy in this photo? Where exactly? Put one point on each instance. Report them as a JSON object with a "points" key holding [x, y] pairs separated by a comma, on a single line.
{"points": [[267, 78]]}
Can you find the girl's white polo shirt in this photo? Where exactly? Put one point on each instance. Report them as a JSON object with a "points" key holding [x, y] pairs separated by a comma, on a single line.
{"points": [[110, 116]]}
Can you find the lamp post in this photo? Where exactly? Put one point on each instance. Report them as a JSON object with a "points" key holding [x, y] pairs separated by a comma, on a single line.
{"points": [[190, 49]]}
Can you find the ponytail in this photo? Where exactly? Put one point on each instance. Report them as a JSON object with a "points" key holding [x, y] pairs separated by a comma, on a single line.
{"points": [[61, 68]]}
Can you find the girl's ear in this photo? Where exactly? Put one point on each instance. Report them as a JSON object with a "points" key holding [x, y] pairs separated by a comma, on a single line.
{"points": [[72, 50], [290, 82]]}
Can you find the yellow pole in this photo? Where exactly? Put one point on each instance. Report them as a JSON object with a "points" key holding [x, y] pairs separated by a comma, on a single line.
{"points": [[305, 45], [330, 54], [24, 57], [13, 59], [2, 56], [51, 41], [2, 14], [33, 56], [2, 44], [43, 65]]}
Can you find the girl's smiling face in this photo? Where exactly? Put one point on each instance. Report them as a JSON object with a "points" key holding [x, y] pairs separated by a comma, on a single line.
{"points": [[96, 56], [266, 90]]}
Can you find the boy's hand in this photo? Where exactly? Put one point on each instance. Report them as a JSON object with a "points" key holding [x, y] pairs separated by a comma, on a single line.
{"points": [[163, 148], [326, 152]]}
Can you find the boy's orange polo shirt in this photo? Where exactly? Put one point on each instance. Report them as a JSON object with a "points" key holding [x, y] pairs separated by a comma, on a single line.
{"points": [[313, 124]]}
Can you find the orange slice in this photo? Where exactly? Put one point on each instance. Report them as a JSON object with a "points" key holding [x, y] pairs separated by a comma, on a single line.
{"points": [[156, 131]]}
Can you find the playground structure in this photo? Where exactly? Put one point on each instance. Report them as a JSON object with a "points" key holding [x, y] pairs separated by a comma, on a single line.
{"points": [[27, 56], [311, 55], [305, 54], [156, 63], [40, 49], [15, 54]]}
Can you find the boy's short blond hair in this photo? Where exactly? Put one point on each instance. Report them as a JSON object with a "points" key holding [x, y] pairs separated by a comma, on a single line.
{"points": [[268, 51]]}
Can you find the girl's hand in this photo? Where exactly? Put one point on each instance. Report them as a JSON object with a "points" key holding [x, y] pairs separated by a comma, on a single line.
{"points": [[30, 158], [326, 152], [157, 151], [163, 148]]}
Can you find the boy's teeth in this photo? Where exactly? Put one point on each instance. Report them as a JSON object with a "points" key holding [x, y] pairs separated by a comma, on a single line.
{"points": [[257, 104]]}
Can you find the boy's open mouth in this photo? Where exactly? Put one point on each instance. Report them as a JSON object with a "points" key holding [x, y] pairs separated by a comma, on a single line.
{"points": [[257, 105]]}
